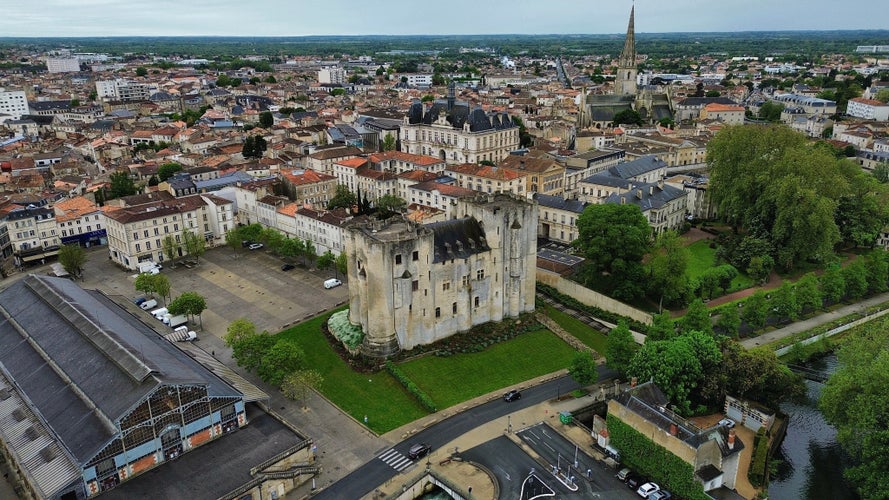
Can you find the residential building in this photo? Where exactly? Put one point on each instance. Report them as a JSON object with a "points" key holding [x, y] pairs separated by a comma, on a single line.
{"points": [[400, 162], [729, 114], [323, 160], [545, 175], [457, 133], [699, 205], [247, 196], [79, 222], [436, 195], [413, 284], [809, 105], [690, 108], [307, 187], [324, 228], [33, 234], [583, 165], [332, 75], [13, 103], [557, 218], [859, 107], [75, 356], [663, 205], [488, 179], [136, 233], [621, 178]]}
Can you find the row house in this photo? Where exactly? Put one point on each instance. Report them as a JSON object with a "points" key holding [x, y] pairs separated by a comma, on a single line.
{"points": [[80, 222], [136, 233], [663, 205], [247, 196], [557, 218], [323, 161], [489, 179], [346, 172], [675, 151], [324, 228], [437, 195], [545, 175], [583, 165], [267, 208], [621, 178], [308, 187], [400, 162], [33, 234], [373, 184]]}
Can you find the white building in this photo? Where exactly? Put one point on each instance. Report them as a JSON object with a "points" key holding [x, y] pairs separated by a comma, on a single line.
{"points": [[13, 103], [122, 90], [332, 75], [62, 64], [417, 79], [869, 109], [32, 233]]}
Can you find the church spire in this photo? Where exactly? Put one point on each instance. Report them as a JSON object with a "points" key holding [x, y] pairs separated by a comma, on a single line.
{"points": [[626, 65]]}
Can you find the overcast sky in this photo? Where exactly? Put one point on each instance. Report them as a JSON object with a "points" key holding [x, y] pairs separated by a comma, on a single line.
{"points": [[409, 17]]}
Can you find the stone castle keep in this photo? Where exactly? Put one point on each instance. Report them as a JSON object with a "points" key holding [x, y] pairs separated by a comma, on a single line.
{"points": [[413, 284]]}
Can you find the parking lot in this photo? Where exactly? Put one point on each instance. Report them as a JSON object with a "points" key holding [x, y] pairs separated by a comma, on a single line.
{"points": [[248, 284]]}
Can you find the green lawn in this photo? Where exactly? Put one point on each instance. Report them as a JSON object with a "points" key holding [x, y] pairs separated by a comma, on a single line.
{"points": [[701, 257], [591, 337], [379, 396], [454, 379]]}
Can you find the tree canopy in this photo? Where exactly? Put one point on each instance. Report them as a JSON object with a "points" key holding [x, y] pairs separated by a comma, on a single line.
{"points": [[167, 170], [121, 185], [72, 257]]}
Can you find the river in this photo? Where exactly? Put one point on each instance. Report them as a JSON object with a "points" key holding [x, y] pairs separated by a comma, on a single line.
{"points": [[812, 461]]}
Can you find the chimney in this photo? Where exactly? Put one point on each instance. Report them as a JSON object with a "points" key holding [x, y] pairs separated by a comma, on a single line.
{"points": [[731, 439], [650, 190], [674, 429]]}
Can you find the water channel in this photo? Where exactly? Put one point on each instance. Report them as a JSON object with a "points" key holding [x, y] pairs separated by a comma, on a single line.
{"points": [[811, 461]]}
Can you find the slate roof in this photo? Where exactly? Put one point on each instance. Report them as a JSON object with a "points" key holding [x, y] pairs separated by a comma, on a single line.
{"points": [[652, 196], [83, 362], [457, 239], [703, 101], [635, 168], [559, 203], [458, 115]]}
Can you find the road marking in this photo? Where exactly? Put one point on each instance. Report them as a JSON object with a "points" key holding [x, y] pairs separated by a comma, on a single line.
{"points": [[395, 459], [505, 473], [550, 447], [526, 438]]}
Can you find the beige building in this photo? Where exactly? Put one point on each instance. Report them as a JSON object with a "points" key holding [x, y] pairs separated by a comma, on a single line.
{"points": [[457, 133], [726, 113], [33, 234], [545, 175], [621, 178], [309, 187], [557, 219], [488, 179], [412, 284], [136, 233], [323, 161]]}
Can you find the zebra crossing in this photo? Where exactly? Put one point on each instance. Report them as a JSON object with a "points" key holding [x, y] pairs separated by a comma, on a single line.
{"points": [[395, 459]]}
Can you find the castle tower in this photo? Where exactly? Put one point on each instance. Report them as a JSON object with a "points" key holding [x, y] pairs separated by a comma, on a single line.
{"points": [[625, 83]]}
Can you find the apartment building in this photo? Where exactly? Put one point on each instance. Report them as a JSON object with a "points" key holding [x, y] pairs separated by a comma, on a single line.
{"points": [[80, 222], [557, 220], [32, 233], [62, 64], [869, 109], [13, 103], [489, 179]]}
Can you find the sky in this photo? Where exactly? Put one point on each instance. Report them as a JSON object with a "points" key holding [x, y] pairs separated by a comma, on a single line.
{"points": [[47, 18]]}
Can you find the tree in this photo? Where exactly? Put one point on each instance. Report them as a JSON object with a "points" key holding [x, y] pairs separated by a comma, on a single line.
{"points": [[161, 285], [238, 330], [756, 310], [282, 359], [341, 263], [389, 205], [194, 244], [325, 261], [190, 303], [141, 71], [784, 303], [666, 268], [861, 213], [170, 247], [610, 232], [145, 283], [583, 368], [250, 351], [233, 239], [342, 199], [266, 120], [298, 385], [854, 401], [620, 347], [388, 142], [833, 284], [167, 170], [75, 103], [662, 327], [729, 321], [877, 267], [808, 294], [121, 185], [72, 257], [855, 277], [771, 111], [758, 375], [697, 318], [309, 252], [627, 116]]}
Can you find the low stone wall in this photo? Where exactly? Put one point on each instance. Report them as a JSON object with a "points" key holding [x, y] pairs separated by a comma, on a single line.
{"points": [[590, 297]]}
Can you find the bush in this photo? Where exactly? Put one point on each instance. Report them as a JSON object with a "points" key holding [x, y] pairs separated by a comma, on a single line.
{"points": [[347, 333], [758, 473], [411, 387]]}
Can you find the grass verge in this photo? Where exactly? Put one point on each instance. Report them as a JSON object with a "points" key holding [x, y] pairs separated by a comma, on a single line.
{"points": [[591, 337]]}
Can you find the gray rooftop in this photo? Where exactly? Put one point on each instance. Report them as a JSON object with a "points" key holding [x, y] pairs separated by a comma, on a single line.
{"points": [[557, 202]]}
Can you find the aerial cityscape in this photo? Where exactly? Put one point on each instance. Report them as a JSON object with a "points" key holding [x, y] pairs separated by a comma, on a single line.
{"points": [[507, 250]]}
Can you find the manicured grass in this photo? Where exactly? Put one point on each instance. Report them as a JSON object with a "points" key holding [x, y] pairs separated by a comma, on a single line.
{"points": [[591, 337], [454, 379], [701, 257], [378, 395]]}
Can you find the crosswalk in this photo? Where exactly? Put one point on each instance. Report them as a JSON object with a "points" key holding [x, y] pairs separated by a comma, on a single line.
{"points": [[395, 459]]}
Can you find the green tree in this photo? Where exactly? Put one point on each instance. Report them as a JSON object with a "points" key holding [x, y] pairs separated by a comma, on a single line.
{"points": [[583, 368], [388, 142], [167, 170], [195, 245], [282, 359], [309, 253], [662, 327], [729, 321], [233, 239], [808, 293], [170, 247], [854, 401], [877, 267], [389, 205], [161, 285], [611, 232], [73, 258], [881, 173], [855, 277], [250, 352], [771, 111], [861, 213], [620, 347], [191, 303], [341, 263], [141, 71], [758, 375], [784, 304], [756, 310], [238, 330], [266, 120], [144, 283], [760, 268], [326, 261], [298, 385], [697, 318], [882, 95], [833, 284], [121, 185], [628, 117], [342, 199], [666, 269]]}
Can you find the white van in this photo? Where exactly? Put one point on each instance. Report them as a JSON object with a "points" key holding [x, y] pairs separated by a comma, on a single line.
{"points": [[332, 282], [159, 313], [175, 321], [148, 304]]}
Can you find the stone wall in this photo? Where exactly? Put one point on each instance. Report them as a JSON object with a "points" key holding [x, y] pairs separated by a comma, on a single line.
{"points": [[590, 297]]}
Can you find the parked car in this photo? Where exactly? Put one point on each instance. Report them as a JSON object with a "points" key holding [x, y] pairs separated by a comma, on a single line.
{"points": [[660, 495], [287, 267], [634, 481], [418, 450], [512, 395], [727, 423], [647, 489], [148, 304], [159, 313], [332, 282], [255, 246], [623, 474], [139, 300]]}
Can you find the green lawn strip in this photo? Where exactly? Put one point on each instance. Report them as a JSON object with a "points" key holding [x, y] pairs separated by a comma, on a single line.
{"points": [[585, 333], [455, 379], [378, 395], [701, 257]]}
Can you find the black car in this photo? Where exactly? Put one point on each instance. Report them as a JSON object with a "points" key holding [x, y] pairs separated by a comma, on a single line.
{"points": [[634, 481], [512, 396], [418, 450], [287, 267]]}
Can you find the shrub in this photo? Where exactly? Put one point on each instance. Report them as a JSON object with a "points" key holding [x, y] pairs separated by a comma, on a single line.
{"points": [[757, 472], [347, 333], [411, 387]]}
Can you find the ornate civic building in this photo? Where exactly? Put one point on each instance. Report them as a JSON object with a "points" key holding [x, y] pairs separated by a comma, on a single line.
{"points": [[412, 284], [457, 133]]}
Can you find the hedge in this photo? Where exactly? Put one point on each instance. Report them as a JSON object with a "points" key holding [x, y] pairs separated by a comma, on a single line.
{"points": [[654, 461], [411, 387], [757, 472], [594, 311]]}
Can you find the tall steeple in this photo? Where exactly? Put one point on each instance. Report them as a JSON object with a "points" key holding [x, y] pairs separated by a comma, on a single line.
{"points": [[625, 82]]}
